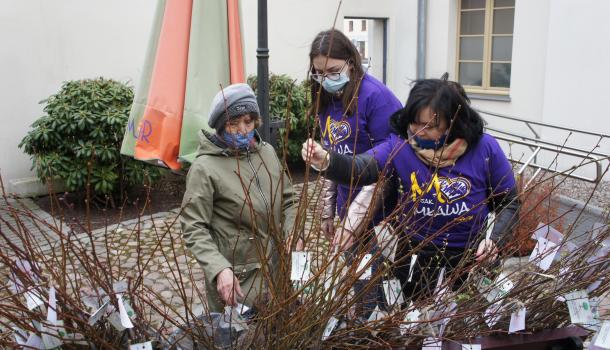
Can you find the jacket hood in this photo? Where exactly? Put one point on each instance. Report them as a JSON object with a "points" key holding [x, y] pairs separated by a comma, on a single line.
{"points": [[211, 144]]}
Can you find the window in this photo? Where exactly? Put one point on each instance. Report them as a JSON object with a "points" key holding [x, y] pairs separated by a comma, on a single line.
{"points": [[351, 26], [364, 25], [485, 45]]}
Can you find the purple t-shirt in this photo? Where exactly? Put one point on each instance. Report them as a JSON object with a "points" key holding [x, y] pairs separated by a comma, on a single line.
{"points": [[368, 126], [450, 205]]}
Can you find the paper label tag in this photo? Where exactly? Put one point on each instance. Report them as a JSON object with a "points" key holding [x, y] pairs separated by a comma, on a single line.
{"points": [[52, 309], [493, 314], [544, 253], [517, 321], [393, 292], [364, 271], [97, 315], [471, 346], [301, 266], [33, 299], [115, 321], [242, 309], [412, 267], [603, 336], [410, 321], [330, 326], [432, 344], [125, 320], [34, 342], [141, 346], [579, 307]]}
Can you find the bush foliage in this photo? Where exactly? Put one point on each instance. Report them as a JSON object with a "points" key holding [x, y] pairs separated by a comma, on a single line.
{"points": [[79, 138], [288, 100]]}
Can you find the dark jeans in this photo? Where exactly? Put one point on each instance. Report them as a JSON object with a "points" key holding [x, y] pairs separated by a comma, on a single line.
{"points": [[369, 293], [430, 260]]}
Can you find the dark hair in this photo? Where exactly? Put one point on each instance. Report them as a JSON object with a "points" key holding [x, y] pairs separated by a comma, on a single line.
{"points": [[334, 44], [443, 97]]}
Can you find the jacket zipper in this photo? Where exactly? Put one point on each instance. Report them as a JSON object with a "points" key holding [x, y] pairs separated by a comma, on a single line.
{"points": [[258, 184]]}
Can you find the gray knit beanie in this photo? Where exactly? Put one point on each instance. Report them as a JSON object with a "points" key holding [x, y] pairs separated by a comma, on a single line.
{"points": [[233, 101]]}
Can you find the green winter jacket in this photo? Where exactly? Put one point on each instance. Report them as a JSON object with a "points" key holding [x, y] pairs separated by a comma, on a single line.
{"points": [[238, 206]]}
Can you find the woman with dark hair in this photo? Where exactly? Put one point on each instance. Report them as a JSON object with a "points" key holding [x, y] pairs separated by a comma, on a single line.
{"points": [[353, 109], [452, 174]]}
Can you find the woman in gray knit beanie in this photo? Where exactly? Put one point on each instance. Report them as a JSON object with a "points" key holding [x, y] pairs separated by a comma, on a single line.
{"points": [[239, 205], [234, 114]]}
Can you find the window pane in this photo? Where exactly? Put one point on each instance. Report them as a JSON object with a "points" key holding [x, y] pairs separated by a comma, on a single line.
{"points": [[504, 3], [472, 22], [500, 75], [471, 48], [471, 73], [473, 4], [502, 48], [503, 21]]}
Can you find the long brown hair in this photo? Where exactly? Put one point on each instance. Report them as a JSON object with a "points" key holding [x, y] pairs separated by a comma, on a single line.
{"points": [[334, 44]]}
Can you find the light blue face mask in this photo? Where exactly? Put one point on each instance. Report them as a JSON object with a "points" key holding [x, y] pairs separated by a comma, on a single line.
{"points": [[238, 140], [334, 86]]}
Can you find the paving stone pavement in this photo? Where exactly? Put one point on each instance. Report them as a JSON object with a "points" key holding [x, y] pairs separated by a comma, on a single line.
{"points": [[19, 215]]}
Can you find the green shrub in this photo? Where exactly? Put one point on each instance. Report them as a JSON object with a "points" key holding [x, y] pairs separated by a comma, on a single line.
{"points": [[285, 92], [79, 138]]}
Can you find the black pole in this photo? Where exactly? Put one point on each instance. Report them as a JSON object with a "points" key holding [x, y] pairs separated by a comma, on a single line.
{"points": [[262, 80]]}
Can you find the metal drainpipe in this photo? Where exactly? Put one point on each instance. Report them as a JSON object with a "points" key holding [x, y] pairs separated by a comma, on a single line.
{"points": [[421, 38], [262, 80]]}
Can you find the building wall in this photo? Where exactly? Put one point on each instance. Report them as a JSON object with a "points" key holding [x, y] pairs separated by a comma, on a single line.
{"points": [[295, 23], [47, 42], [558, 75], [577, 71]]}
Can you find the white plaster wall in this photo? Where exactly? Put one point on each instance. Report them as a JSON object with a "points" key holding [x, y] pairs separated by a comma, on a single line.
{"points": [[47, 42], [577, 71], [295, 23]]}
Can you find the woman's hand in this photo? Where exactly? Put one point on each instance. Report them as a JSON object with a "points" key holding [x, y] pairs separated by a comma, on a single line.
{"points": [[487, 250], [228, 287], [343, 240], [300, 245], [314, 153], [328, 228]]}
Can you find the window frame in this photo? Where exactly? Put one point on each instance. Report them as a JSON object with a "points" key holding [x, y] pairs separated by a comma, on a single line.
{"points": [[488, 36]]}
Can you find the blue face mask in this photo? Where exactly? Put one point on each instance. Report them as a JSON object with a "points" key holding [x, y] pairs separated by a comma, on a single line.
{"points": [[334, 86], [430, 144], [238, 140]]}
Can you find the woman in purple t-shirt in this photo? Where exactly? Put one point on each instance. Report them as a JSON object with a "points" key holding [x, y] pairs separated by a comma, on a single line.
{"points": [[452, 174], [353, 109]]}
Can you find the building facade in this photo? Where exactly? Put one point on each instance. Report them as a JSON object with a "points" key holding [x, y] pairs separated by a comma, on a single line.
{"points": [[543, 60]]}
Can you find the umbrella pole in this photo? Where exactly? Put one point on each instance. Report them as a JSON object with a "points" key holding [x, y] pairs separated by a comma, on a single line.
{"points": [[262, 81]]}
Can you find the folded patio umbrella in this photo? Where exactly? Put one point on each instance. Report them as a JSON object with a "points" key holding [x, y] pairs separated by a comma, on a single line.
{"points": [[195, 48]]}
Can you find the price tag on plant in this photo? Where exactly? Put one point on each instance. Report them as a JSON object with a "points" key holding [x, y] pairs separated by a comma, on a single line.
{"points": [[471, 346], [517, 321], [579, 307], [125, 320], [412, 267], [393, 292], [410, 321], [141, 346], [330, 326], [544, 253], [603, 336], [301, 266], [97, 315], [364, 271]]}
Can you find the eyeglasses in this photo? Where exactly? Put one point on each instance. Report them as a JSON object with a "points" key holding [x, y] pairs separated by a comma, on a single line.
{"points": [[319, 77]]}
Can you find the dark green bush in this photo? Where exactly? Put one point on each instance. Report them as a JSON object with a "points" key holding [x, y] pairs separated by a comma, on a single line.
{"points": [[285, 92], [79, 138]]}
